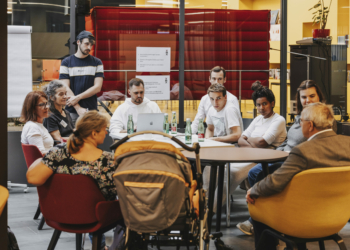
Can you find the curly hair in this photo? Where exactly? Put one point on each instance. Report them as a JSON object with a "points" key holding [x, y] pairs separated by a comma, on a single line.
{"points": [[261, 91], [50, 91]]}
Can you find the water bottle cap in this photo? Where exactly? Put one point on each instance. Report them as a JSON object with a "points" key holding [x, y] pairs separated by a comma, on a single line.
{"points": [[188, 119], [174, 112]]}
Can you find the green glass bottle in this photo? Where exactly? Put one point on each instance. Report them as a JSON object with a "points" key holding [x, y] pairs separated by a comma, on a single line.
{"points": [[188, 132], [166, 124], [130, 125], [201, 131], [174, 124]]}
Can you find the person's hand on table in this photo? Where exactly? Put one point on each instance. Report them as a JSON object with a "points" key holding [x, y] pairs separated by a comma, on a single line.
{"points": [[73, 100], [248, 198], [81, 111]]}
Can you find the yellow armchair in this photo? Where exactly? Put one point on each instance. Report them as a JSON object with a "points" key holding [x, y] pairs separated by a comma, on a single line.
{"points": [[4, 195], [315, 204]]}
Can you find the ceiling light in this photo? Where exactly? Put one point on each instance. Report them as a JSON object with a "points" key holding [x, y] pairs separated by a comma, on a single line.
{"points": [[164, 2], [9, 12], [224, 5], [139, 5]]}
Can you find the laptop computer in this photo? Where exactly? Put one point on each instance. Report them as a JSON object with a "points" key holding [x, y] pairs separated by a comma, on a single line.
{"points": [[150, 121]]}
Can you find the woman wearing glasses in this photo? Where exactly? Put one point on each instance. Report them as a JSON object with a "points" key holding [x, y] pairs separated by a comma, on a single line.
{"points": [[35, 109], [59, 123]]}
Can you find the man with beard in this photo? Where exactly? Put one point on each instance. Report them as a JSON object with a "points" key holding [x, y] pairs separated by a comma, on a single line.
{"points": [[83, 75], [137, 104]]}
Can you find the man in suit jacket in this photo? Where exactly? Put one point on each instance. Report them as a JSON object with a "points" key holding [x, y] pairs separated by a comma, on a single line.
{"points": [[323, 148]]}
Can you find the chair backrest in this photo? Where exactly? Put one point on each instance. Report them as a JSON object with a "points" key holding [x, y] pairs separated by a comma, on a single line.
{"points": [[316, 203], [70, 199], [31, 153], [4, 195]]}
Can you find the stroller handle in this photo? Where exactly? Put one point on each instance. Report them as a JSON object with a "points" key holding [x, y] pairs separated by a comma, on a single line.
{"points": [[195, 147]]}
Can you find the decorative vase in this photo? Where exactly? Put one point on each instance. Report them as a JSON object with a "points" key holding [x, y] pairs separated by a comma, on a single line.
{"points": [[316, 33]]}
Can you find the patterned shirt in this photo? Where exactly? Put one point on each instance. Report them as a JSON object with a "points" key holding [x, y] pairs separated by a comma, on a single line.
{"points": [[101, 170]]}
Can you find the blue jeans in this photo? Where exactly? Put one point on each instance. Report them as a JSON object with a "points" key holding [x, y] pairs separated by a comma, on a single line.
{"points": [[256, 174], [103, 241]]}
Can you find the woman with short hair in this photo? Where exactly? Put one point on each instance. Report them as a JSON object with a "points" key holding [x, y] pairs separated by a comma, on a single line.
{"points": [[34, 111], [59, 123]]}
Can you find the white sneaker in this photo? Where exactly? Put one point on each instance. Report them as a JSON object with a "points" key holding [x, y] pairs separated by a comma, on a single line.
{"points": [[246, 227]]}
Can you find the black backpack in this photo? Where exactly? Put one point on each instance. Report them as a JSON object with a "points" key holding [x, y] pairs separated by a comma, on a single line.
{"points": [[12, 242]]}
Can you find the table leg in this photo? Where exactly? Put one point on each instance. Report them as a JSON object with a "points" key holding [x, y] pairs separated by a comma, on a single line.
{"points": [[265, 167], [219, 199], [212, 186], [228, 200]]}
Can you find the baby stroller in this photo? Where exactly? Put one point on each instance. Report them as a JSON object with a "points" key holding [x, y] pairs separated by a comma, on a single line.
{"points": [[162, 204]]}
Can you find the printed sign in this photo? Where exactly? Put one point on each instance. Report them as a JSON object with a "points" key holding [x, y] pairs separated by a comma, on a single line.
{"points": [[153, 59], [156, 87]]}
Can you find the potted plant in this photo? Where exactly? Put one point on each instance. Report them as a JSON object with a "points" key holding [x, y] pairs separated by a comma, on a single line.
{"points": [[320, 16]]}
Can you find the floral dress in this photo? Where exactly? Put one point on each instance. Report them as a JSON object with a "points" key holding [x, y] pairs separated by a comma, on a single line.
{"points": [[101, 170]]}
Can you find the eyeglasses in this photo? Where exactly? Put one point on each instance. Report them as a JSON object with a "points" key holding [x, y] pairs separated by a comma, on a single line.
{"points": [[44, 105]]}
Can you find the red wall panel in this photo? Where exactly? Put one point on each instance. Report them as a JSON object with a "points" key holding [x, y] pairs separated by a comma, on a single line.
{"points": [[234, 39]]}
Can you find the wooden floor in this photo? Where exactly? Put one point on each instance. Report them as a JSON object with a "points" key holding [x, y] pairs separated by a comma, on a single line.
{"points": [[23, 206]]}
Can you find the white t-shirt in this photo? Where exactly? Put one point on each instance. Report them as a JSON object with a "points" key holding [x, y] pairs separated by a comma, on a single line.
{"points": [[225, 119], [34, 133], [204, 107], [272, 129], [119, 119]]}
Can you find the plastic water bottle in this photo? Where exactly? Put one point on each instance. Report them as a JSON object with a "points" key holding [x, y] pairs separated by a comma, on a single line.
{"points": [[201, 131], [188, 132], [166, 124], [130, 125], [174, 124]]}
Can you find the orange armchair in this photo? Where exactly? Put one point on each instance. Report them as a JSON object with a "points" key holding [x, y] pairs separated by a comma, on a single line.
{"points": [[313, 207], [4, 195]]}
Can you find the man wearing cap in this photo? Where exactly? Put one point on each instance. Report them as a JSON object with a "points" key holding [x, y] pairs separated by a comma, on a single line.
{"points": [[83, 75]]}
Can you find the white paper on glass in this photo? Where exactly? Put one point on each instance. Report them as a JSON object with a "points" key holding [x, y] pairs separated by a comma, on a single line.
{"points": [[19, 67], [275, 34], [156, 87], [153, 59]]}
